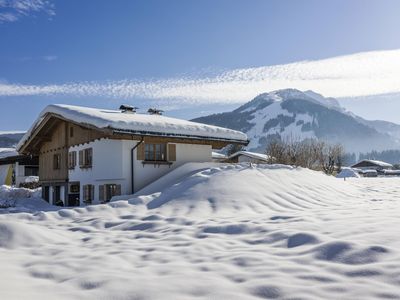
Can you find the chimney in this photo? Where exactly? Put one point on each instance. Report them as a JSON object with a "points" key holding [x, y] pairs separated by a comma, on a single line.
{"points": [[155, 111], [127, 109]]}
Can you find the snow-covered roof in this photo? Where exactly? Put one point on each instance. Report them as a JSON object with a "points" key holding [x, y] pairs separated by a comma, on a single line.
{"points": [[11, 132], [8, 152], [216, 155], [375, 162], [251, 154], [136, 123], [348, 172]]}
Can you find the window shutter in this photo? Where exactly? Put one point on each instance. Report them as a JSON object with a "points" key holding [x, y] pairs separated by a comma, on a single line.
{"points": [[85, 192], [89, 157], [91, 192], [172, 152], [117, 190], [69, 160], [101, 193], [81, 160], [140, 152]]}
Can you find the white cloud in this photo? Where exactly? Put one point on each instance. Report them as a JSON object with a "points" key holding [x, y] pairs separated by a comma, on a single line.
{"points": [[50, 57], [363, 74], [13, 10]]}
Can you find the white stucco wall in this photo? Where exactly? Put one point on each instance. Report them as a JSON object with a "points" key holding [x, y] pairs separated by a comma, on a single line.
{"points": [[19, 174], [112, 165], [107, 166], [147, 173]]}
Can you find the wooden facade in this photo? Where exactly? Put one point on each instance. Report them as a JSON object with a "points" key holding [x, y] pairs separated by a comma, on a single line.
{"points": [[56, 145]]}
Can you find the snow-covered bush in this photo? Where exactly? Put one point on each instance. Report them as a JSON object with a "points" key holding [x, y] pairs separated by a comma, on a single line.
{"points": [[9, 195]]}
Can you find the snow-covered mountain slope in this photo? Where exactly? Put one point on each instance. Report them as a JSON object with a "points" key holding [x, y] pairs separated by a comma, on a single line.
{"points": [[228, 232], [10, 138], [302, 115]]}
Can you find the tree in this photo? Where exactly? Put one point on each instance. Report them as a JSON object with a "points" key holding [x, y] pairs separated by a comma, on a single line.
{"points": [[310, 153], [331, 158]]}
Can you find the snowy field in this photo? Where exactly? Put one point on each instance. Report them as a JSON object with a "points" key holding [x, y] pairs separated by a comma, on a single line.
{"points": [[227, 232]]}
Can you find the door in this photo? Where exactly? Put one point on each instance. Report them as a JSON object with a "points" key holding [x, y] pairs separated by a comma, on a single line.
{"points": [[57, 196], [46, 193]]}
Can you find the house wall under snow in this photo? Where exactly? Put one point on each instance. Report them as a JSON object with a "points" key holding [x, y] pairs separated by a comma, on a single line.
{"points": [[112, 161]]}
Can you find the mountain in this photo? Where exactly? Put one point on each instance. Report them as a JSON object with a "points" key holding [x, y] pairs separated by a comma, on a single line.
{"points": [[301, 115], [10, 138]]}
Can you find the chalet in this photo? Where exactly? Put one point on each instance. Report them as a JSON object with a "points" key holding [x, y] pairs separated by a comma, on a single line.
{"points": [[88, 155], [15, 169], [252, 157], [368, 164]]}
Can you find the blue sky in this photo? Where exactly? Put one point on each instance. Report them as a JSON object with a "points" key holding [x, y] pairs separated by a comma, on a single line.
{"points": [[67, 49]]}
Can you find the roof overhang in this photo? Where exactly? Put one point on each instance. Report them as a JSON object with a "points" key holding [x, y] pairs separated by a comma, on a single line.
{"points": [[41, 132]]}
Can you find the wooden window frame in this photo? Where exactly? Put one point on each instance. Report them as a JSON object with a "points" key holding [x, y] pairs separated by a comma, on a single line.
{"points": [[33, 171], [88, 193], [86, 158], [74, 187], [104, 192], [72, 160], [57, 161], [155, 153], [71, 131]]}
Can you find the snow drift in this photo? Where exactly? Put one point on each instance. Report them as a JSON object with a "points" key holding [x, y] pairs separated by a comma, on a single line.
{"points": [[222, 232]]}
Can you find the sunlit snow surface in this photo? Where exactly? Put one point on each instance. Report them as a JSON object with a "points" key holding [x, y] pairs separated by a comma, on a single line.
{"points": [[225, 232]]}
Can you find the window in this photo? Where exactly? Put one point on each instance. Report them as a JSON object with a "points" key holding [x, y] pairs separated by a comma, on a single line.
{"points": [[31, 171], [74, 187], [46, 193], [71, 131], [71, 160], [74, 194], [107, 191], [155, 152], [57, 161], [88, 193], [85, 158]]}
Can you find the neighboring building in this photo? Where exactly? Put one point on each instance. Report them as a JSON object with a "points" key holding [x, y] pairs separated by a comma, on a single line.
{"points": [[218, 157], [88, 155], [15, 168], [252, 157], [368, 164], [368, 173]]}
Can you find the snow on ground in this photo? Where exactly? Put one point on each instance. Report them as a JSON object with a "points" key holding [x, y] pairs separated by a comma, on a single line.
{"points": [[21, 199], [224, 232]]}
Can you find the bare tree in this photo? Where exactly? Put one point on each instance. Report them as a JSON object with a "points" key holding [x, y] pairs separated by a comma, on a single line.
{"points": [[310, 153], [276, 152], [331, 158]]}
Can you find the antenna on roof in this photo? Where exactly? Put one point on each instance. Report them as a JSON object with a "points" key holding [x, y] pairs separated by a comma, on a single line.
{"points": [[155, 111], [128, 109]]}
